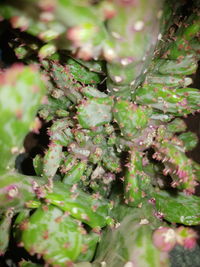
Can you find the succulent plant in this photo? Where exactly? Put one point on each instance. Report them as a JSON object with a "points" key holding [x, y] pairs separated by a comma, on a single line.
{"points": [[105, 83]]}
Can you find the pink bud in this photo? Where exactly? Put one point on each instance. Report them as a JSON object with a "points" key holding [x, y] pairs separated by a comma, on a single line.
{"points": [[164, 238], [20, 22], [12, 191], [186, 237]]}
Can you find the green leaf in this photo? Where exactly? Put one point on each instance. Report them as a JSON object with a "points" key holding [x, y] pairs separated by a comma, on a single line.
{"points": [[21, 91], [94, 112], [82, 74], [178, 208], [54, 235], [131, 118]]}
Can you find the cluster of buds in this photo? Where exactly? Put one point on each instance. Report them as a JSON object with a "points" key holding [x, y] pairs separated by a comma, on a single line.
{"points": [[166, 238]]}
